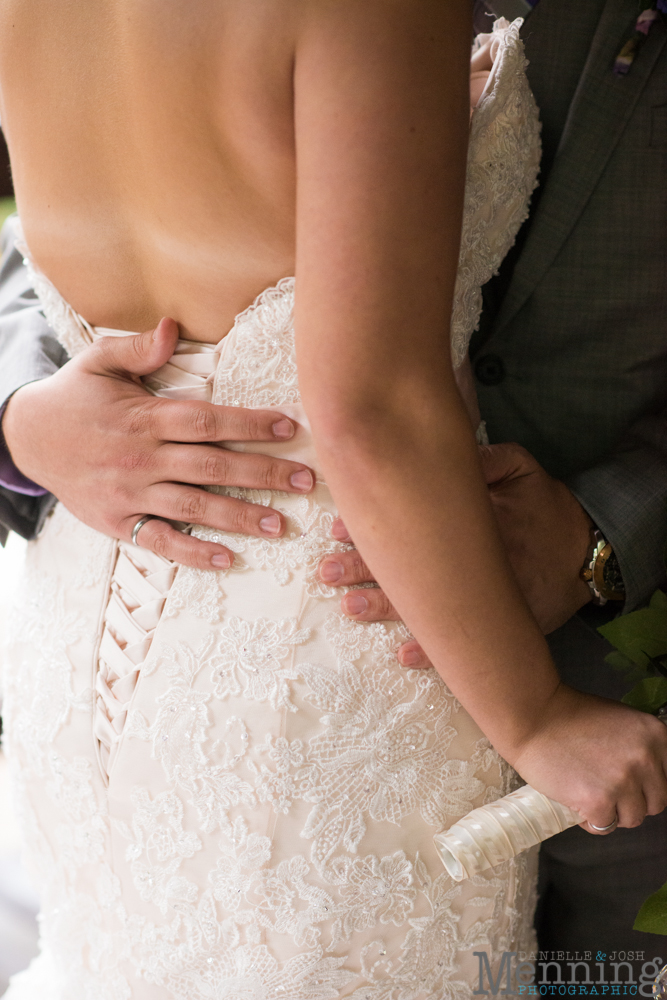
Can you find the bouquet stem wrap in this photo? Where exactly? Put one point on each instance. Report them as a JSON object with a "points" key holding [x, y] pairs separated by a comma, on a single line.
{"points": [[499, 831]]}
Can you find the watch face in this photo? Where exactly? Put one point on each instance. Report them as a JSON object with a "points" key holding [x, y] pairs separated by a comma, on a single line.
{"points": [[607, 575], [611, 574]]}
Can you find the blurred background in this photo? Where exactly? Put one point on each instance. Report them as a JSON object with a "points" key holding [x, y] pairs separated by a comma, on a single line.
{"points": [[18, 903], [7, 204]]}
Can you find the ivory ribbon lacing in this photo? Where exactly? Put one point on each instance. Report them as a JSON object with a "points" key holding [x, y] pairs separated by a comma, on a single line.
{"points": [[141, 580]]}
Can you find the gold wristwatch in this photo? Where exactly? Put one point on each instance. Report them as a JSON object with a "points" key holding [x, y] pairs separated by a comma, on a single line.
{"points": [[601, 570]]}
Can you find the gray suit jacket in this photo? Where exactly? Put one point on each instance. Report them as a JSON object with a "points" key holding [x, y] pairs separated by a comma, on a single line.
{"points": [[28, 351], [572, 358]]}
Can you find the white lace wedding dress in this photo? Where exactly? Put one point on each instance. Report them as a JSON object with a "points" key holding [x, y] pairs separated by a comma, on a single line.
{"points": [[227, 790]]}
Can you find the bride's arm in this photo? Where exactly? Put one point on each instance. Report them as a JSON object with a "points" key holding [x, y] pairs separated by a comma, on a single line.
{"points": [[382, 112], [381, 118]]}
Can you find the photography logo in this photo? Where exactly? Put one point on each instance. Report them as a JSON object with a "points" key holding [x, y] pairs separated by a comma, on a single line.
{"points": [[565, 974]]}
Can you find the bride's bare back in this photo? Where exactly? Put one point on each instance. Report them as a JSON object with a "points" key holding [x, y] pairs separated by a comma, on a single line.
{"points": [[169, 139]]}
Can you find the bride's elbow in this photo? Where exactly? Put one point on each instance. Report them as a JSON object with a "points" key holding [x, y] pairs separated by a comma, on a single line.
{"points": [[338, 427], [364, 430]]}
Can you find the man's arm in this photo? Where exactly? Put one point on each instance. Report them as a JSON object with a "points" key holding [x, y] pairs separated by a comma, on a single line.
{"points": [[107, 448], [28, 351], [544, 524], [544, 529], [626, 496]]}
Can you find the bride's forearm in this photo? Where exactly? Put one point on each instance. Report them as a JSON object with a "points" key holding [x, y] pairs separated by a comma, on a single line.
{"points": [[382, 109], [381, 126], [452, 585]]}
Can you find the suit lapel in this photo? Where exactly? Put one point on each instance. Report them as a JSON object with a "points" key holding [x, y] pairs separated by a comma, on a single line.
{"points": [[598, 115]]}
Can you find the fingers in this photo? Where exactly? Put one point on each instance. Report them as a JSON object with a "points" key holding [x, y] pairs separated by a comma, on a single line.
{"points": [[369, 605], [340, 532], [656, 797], [412, 656], [631, 810], [208, 465], [345, 569], [629, 813], [505, 461], [372, 605], [637, 783], [602, 815], [602, 832], [161, 538], [481, 60], [651, 770], [193, 421], [195, 506], [136, 355]]}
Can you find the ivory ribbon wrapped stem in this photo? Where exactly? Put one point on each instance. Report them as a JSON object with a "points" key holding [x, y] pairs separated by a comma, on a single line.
{"points": [[499, 831]]}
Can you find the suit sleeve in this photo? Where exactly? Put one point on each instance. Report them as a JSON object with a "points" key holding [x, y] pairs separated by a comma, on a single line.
{"points": [[28, 351], [626, 496]]}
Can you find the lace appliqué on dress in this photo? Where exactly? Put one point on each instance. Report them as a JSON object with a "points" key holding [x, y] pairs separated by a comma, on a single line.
{"points": [[503, 164]]}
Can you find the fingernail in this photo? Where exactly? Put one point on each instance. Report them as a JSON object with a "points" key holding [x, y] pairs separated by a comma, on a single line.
{"points": [[411, 659], [221, 562], [340, 532], [283, 429], [158, 328], [355, 603], [270, 525], [302, 480], [330, 571]]}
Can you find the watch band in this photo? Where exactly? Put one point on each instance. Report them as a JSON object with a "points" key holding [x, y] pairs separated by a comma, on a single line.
{"points": [[601, 570]]}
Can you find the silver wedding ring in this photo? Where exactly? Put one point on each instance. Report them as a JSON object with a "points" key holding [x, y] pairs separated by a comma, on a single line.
{"points": [[604, 829], [139, 525]]}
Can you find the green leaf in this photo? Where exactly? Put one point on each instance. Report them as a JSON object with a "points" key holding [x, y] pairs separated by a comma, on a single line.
{"points": [[620, 662], [658, 666], [648, 695], [641, 634], [659, 601], [622, 665], [652, 917]]}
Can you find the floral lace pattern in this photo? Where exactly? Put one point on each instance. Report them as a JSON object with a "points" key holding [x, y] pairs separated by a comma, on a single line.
{"points": [[503, 163], [267, 827]]}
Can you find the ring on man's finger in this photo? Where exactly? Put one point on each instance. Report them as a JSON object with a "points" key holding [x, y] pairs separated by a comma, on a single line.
{"points": [[604, 829], [140, 523]]}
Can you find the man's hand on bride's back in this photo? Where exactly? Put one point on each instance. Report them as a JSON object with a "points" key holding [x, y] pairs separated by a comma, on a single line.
{"points": [[545, 531], [111, 452]]}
